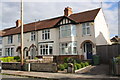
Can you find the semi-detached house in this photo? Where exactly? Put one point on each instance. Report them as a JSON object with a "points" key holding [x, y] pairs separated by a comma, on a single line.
{"points": [[69, 35]]}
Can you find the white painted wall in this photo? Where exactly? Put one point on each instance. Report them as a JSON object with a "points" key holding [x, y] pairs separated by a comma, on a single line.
{"points": [[101, 30]]}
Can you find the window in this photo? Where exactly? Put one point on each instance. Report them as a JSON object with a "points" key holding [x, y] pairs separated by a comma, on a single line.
{"points": [[46, 34], [46, 49], [10, 39], [86, 28], [68, 48], [9, 51], [19, 37], [32, 36], [0, 52], [67, 31]]}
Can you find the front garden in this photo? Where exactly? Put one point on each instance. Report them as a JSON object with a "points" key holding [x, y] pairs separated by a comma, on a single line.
{"points": [[77, 64]]}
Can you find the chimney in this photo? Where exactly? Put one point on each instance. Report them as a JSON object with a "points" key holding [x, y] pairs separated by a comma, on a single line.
{"points": [[18, 23], [67, 11]]}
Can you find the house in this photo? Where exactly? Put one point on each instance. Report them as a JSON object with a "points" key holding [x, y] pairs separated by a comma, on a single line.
{"points": [[115, 40], [0, 43], [73, 34]]}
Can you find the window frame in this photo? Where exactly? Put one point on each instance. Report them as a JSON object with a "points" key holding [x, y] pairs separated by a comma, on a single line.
{"points": [[86, 28], [46, 34], [33, 36], [10, 39], [45, 49]]}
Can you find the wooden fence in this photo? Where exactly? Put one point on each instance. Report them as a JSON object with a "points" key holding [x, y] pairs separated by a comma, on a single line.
{"points": [[107, 52]]}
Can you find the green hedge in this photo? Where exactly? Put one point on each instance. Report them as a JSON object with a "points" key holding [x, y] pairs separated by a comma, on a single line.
{"points": [[10, 59]]}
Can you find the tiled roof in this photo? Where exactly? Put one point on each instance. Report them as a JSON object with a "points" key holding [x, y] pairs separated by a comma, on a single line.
{"points": [[49, 23], [85, 16]]}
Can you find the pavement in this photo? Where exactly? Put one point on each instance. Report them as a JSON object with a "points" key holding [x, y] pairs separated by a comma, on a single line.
{"points": [[65, 76]]}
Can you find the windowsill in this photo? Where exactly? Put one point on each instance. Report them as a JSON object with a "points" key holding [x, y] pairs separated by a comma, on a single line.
{"points": [[86, 35], [68, 37]]}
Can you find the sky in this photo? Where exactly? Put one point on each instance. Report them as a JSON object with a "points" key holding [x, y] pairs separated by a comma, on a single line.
{"points": [[45, 9]]}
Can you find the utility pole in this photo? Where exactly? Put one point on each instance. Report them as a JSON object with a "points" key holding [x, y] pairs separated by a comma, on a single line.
{"points": [[22, 33]]}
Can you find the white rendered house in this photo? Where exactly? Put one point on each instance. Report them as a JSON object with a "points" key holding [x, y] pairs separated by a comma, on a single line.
{"points": [[69, 35]]}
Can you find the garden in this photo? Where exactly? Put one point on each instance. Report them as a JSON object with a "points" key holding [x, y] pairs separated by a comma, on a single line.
{"points": [[78, 64]]}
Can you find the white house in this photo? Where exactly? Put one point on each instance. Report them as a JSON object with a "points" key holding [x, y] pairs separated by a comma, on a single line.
{"points": [[69, 35]]}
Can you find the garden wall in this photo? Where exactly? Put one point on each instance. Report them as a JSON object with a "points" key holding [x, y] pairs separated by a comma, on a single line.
{"points": [[48, 67]]}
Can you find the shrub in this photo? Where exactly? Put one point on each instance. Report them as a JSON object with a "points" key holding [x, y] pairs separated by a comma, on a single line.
{"points": [[82, 64], [78, 65], [61, 67], [70, 60], [65, 59], [75, 66], [17, 58], [86, 64], [65, 65]]}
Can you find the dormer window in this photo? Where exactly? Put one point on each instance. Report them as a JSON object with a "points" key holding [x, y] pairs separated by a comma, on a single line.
{"points": [[86, 28]]}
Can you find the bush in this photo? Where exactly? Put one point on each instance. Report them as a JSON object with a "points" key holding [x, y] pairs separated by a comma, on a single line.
{"points": [[86, 64], [78, 65], [17, 58], [82, 64], [75, 66], [65, 65], [61, 67]]}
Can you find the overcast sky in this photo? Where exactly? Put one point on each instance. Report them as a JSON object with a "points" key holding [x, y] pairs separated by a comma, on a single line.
{"points": [[40, 10]]}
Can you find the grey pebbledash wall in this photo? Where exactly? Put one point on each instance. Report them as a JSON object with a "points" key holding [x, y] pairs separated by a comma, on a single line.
{"points": [[45, 67]]}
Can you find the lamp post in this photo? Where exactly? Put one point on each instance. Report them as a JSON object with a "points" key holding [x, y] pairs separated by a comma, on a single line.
{"points": [[22, 33]]}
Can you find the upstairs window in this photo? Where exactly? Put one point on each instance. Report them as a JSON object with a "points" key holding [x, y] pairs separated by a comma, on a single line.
{"points": [[46, 34], [86, 28], [32, 36], [19, 37], [10, 39], [67, 31]]}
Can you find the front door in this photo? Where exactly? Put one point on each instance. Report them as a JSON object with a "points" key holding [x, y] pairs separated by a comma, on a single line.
{"points": [[88, 50]]}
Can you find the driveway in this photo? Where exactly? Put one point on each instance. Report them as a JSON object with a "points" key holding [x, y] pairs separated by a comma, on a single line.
{"points": [[98, 70]]}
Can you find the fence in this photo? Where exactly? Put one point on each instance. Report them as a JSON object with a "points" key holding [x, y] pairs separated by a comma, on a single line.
{"points": [[107, 52]]}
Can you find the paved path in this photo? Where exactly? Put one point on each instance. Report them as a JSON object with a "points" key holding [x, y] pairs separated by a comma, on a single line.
{"points": [[98, 70], [62, 76]]}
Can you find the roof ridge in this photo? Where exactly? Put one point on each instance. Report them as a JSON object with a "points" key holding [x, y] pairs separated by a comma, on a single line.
{"points": [[85, 11]]}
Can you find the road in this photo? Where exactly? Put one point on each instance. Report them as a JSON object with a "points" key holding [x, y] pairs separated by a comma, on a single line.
{"points": [[10, 77]]}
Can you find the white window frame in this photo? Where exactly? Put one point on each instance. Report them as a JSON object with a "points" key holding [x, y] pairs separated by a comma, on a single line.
{"points": [[33, 36], [19, 37], [46, 34], [86, 28], [10, 39], [67, 48], [9, 51], [46, 49], [67, 31]]}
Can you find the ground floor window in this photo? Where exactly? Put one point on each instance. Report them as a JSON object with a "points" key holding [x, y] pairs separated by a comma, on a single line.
{"points": [[68, 48], [46, 49], [9, 51], [0, 52]]}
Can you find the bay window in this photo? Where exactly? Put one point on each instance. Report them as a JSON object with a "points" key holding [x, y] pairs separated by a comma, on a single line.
{"points": [[46, 49], [68, 48], [9, 51], [67, 31]]}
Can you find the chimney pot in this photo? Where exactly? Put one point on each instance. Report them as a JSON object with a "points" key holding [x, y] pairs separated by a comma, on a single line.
{"points": [[67, 11], [18, 23]]}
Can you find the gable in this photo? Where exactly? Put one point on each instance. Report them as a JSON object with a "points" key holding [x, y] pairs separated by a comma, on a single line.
{"points": [[65, 20]]}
